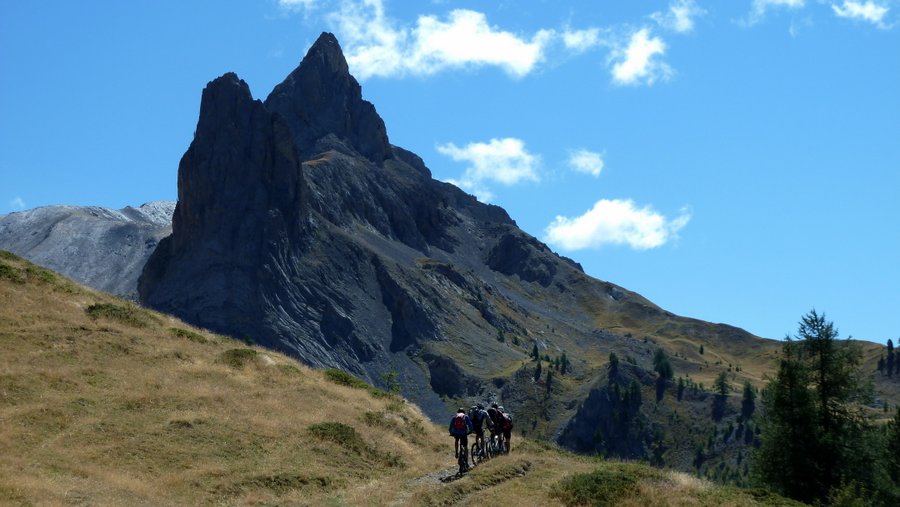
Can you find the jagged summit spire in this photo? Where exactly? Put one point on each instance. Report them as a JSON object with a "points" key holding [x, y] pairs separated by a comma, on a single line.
{"points": [[326, 52], [320, 97]]}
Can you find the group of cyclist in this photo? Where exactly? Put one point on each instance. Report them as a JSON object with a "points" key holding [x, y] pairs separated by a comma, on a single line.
{"points": [[497, 420]]}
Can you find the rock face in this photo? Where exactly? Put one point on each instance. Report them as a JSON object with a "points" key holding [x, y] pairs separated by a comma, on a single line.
{"points": [[299, 227], [99, 247]]}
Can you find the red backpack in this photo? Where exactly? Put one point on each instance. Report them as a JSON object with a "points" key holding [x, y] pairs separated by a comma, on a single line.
{"points": [[505, 421], [459, 422]]}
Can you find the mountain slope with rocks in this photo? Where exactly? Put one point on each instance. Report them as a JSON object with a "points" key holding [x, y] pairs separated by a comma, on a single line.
{"points": [[100, 247]]}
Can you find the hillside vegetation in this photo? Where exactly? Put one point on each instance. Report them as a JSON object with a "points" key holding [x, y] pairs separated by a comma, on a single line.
{"points": [[103, 402]]}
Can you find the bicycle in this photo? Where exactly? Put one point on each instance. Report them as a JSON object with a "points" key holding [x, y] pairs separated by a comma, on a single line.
{"points": [[479, 452], [463, 459]]}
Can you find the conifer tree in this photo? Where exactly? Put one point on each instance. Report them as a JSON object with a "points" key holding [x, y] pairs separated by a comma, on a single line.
{"points": [[680, 391], [748, 404], [564, 364], [663, 368], [535, 355], [537, 371], [889, 364], [613, 366], [881, 364], [815, 430]]}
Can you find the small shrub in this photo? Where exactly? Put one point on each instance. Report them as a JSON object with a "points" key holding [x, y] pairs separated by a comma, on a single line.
{"points": [[9, 256], [345, 379], [41, 274], [10, 273], [237, 358], [602, 487], [130, 315], [347, 437], [187, 334]]}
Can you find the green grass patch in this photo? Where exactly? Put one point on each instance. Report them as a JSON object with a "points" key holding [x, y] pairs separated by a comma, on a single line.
{"points": [[345, 379], [603, 487], [40, 274], [9, 256], [281, 483], [129, 314], [237, 358], [8, 272], [347, 437], [188, 334]]}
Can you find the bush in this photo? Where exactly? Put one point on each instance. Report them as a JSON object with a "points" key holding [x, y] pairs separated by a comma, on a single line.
{"points": [[187, 334], [602, 487], [130, 315], [347, 437], [237, 358], [345, 379]]}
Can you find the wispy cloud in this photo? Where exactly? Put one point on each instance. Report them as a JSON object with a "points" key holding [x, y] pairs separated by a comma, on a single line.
{"points": [[639, 62], [505, 161], [869, 11], [760, 7], [376, 45], [297, 5], [615, 222], [580, 41], [680, 16], [585, 161], [17, 203]]}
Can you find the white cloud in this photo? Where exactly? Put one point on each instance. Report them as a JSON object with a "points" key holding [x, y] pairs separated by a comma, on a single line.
{"points": [[296, 5], [17, 203], [587, 162], [680, 17], [637, 63], [581, 40], [760, 7], [870, 11], [505, 161], [615, 222], [376, 46]]}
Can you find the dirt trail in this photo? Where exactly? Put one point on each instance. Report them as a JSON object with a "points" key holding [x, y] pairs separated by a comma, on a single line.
{"points": [[436, 477]]}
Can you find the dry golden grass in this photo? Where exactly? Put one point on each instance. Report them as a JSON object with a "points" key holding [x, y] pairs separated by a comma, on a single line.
{"points": [[118, 405]]}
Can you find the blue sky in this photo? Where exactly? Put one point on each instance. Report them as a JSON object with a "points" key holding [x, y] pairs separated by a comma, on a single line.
{"points": [[733, 161]]}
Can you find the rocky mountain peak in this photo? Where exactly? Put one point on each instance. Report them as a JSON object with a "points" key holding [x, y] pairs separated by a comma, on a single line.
{"points": [[320, 97]]}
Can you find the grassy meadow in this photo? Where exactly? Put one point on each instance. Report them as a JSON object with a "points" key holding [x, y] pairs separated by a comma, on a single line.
{"points": [[103, 402]]}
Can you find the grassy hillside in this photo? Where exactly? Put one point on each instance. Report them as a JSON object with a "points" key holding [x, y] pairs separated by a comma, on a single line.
{"points": [[103, 402]]}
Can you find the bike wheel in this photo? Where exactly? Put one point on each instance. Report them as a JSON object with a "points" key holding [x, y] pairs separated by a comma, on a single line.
{"points": [[463, 461], [476, 454]]}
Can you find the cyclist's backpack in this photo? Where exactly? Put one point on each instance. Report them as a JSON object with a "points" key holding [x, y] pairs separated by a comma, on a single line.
{"points": [[506, 421], [459, 423]]}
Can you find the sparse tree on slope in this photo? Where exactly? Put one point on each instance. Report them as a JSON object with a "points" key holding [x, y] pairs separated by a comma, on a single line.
{"points": [[889, 364], [748, 404], [815, 433]]}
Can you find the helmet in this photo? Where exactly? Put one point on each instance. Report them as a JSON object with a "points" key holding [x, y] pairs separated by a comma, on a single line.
{"points": [[473, 407], [500, 408], [480, 406], [460, 410], [493, 405]]}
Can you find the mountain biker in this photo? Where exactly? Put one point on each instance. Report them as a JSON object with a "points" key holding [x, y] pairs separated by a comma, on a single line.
{"points": [[460, 427], [480, 416], [496, 420], [506, 426]]}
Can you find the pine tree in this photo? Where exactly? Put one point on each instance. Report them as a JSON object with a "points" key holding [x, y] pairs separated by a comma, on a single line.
{"points": [[549, 380], [889, 364], [748, 404], [815, 431], [881, 364], [613, 366], [701, 349], [664, 370], [720, 402], [564, 364], [680, 391], [535, 355], [537, 371], [783, 461]]}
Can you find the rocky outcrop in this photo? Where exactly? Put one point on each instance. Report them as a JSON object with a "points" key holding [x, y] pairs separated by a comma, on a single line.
{"points": [[99, 247], [321, 99]]}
